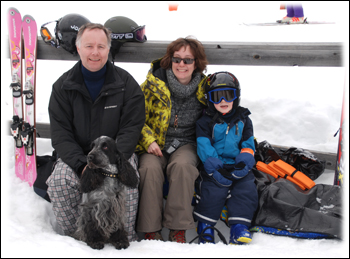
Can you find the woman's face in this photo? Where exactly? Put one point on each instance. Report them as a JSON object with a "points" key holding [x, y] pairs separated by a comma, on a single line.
{"points": [[182, 71]]}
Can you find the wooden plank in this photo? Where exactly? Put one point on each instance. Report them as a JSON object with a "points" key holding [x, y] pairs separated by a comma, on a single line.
{"points": [[224, 53], [43, 131]]}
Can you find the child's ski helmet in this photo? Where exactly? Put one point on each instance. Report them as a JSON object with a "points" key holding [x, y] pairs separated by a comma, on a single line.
{"points": [[124, 29], [67, 29], [222, 80]]}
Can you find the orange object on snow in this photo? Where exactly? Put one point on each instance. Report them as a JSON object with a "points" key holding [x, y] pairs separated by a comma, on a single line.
{"points": [[271, 167], [264, 168], [295, 174]]}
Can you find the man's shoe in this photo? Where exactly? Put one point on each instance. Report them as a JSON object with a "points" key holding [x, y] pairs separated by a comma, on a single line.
{"points": [[154, 236], [178, 236], [297, 20], [240, 234], [286, 19]]}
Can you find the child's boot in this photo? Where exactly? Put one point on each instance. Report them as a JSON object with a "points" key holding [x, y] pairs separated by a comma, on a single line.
{"points": [[240, 234], [205, 232]]}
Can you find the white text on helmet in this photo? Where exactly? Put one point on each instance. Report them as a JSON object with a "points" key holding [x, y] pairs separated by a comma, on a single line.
{"points": [[74, 27], [117, 36]]}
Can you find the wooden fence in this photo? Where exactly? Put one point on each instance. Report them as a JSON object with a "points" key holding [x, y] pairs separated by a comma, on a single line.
{"points": [[317, 54]]}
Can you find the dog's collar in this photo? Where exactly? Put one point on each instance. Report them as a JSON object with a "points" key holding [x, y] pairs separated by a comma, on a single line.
{"points": [[112, 171], [109, 175]]}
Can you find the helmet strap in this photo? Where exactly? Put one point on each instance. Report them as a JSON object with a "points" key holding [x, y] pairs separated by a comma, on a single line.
{"points": [[115, 48]]}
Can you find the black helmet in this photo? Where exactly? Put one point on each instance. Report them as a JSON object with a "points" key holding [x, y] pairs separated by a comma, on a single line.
{"points": [[124, 29], [67, 29], [222, 80]]}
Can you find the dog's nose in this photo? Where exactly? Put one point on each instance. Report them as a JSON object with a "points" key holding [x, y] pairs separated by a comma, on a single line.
{"points": [[90, 157]]}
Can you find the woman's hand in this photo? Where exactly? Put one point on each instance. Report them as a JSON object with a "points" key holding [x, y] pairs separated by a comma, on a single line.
{"points": [[155, 149]]}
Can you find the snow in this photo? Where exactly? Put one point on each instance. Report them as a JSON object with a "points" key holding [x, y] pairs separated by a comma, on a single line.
{"points": [[291, 106]]}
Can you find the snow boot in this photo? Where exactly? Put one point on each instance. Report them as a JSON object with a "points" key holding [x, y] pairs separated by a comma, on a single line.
{"points": [[240, 234], [205, 232], [178, 236], [154, 236]]}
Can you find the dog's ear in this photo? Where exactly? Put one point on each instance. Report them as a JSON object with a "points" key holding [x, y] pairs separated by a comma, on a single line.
{"points": [[126, 173], [90, 180]]}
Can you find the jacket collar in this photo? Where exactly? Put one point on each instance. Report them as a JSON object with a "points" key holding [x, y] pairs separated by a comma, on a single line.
{"points": [[75, 80], [240, 114], [157, 73]]}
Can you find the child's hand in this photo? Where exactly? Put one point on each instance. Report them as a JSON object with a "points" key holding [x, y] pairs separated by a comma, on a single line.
{"points": [[244, 163], [240, 171], [211, 166], [222, 180]]}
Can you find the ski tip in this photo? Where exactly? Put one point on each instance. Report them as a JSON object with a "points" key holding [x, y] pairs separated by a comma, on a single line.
{"points": [[28, 18], [12, 9]]}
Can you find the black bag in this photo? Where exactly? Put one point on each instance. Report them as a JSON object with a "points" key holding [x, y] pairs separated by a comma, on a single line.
{"points": [[282, 205], [303, 160], [45, 166]]}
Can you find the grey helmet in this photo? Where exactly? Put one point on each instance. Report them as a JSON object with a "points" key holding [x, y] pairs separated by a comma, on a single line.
{"points": [[124, 29]]}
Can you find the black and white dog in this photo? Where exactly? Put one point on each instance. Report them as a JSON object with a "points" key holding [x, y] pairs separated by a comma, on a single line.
{"points": [[102, 214]]}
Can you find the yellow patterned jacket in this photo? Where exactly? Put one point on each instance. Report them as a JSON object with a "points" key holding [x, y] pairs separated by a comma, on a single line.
{"points": [[158, 107]]}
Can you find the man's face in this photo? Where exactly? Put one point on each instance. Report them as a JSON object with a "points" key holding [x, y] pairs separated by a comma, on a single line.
{"points": [[93, 50]]}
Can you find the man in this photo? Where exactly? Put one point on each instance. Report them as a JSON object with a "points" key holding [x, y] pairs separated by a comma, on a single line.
{"points": [[92, 99]]}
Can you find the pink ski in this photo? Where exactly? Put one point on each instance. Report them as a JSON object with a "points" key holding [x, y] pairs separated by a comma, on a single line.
{"points": [[28, 132], [14, 21]]}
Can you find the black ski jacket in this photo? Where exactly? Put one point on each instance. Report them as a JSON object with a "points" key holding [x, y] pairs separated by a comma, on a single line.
{"points": [[75, 120]]}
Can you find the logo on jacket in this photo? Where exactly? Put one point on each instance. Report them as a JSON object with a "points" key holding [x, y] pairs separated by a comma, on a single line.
{"points": [[111, 107]]}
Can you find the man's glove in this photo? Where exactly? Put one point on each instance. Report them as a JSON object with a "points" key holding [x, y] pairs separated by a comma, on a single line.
{"points": [[211, 166]]}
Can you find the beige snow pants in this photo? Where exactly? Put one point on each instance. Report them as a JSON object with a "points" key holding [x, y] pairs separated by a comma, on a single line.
{"points": [[181, 171]]}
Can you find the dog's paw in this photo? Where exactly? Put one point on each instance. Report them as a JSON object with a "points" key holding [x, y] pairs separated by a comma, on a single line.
{"points": [[121, 245], [97, 245]]}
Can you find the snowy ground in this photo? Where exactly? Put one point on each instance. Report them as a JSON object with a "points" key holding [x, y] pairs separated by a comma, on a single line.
{"points": [[29, 232], [298, 106]]}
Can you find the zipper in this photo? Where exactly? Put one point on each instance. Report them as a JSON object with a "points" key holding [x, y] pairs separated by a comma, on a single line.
{"points": [[237, 128], [228, 127]]}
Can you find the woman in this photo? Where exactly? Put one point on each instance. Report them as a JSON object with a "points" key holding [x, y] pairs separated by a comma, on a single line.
{"points": [[174, 100]]}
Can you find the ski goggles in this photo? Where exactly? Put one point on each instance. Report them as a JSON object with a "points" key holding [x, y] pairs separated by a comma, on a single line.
{"points": [[47, 36], [216, 95], [138, 34], [186, 61]]}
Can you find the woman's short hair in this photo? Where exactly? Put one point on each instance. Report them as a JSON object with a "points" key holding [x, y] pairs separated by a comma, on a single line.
{"points": [[197, 50], [91, 26]]}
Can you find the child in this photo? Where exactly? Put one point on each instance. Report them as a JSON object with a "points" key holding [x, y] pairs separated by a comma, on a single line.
{"points": [[225, 145]]}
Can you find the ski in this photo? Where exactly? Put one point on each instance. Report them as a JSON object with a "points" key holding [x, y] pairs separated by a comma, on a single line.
{"points": [[340, 165], [280, 23], [28, 137], [14, 21]]}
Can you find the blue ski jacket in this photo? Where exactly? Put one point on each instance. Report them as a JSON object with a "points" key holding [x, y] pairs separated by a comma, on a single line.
{"points": [[219, 139]]}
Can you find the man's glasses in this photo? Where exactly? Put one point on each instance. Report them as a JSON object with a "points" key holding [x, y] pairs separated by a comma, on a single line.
{"points": [[186, 61], [138, 34]]}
